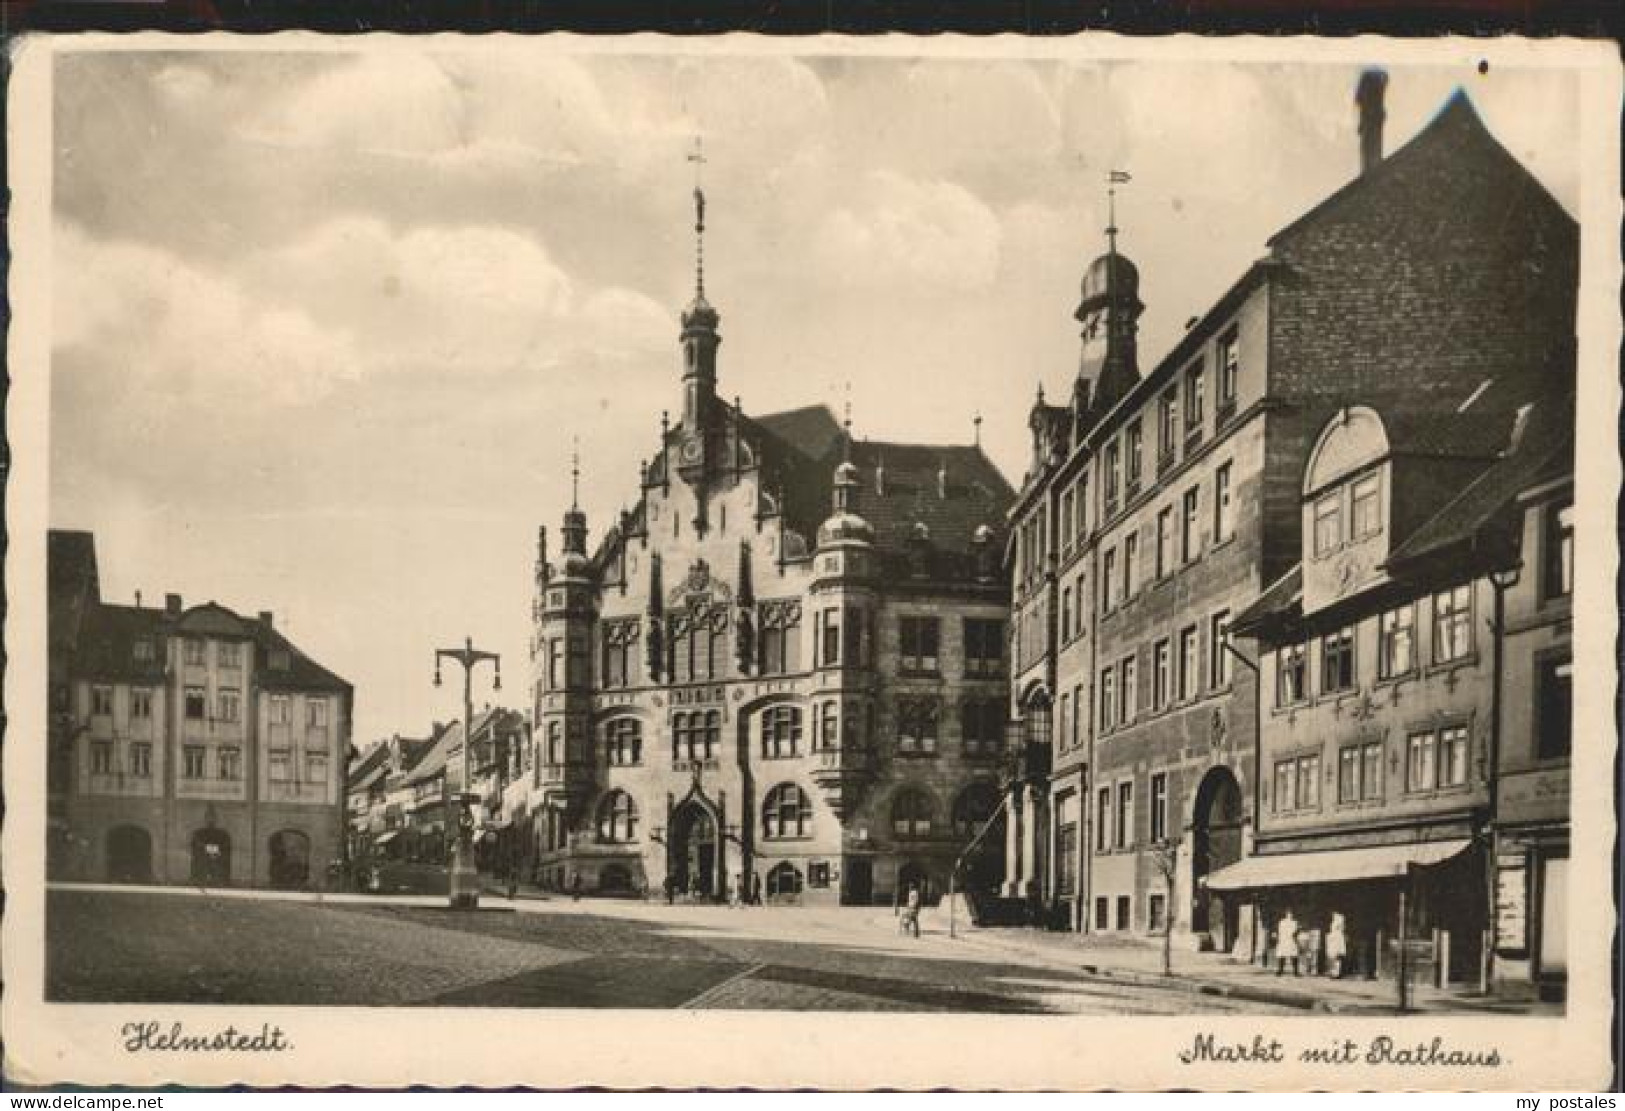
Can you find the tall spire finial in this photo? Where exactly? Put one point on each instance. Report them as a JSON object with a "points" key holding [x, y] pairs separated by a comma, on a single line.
{"points": [[1114, 178], [575, 473], [697, 156], [977, 421], [846, 422]]}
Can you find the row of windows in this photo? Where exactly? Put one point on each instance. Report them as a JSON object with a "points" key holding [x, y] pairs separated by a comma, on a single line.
{"points": [[696, 735], [1114, 814], [195, 701], [1178, 425], [1336, 658], [1435, 759], [1175, 544], [1117, 913], [697, 648], [280, 765], [1177, 675], [787, 813]]}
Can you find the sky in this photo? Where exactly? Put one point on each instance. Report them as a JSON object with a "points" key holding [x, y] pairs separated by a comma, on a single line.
{"points": [[326, 324]]}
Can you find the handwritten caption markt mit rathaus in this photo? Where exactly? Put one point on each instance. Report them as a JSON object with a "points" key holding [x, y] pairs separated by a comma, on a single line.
{"points": [[1380, 1050]]}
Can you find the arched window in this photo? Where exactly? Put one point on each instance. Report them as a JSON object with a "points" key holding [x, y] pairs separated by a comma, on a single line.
{"points": [[623, 741], [781, 731], [974, 806], [617, 818], [786, 812], [911, 813], [784, 882]]}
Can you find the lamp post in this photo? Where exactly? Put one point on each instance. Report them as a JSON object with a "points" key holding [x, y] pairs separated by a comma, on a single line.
{"points": [[463, 887]]}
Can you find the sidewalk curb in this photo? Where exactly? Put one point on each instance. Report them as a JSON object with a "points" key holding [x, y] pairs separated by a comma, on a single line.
{"points": [[1281, 998]]}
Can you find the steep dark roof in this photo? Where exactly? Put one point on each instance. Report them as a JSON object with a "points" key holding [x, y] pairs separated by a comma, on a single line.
{"points": [[372, 766], [108, 639], [976, 493], [1452, 141], [302, 672], [1544, 450], [811, 430], [72, 584]]}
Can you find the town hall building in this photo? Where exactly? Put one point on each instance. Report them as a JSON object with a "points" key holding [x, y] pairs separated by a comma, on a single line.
{"points": [[781, 674]]}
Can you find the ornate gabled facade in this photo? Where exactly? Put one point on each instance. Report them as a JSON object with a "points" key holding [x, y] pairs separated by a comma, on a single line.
{"points": [[781, 672]]}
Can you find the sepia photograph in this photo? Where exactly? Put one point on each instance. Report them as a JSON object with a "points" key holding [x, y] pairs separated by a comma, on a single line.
{"points": [[1124, 562]]}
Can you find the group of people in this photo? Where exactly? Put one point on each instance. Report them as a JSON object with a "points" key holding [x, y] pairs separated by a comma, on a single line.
{"points": [[1290, 941]]}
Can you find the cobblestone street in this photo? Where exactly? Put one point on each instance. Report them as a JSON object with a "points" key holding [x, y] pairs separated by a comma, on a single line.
{"points": [[184, 946]]}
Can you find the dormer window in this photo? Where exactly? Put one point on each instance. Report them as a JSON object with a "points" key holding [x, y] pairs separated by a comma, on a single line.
{"points": [[142, 650], [1328, 523], [1365, 507]]}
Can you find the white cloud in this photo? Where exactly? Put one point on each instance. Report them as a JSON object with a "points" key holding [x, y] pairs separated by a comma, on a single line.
{"points": [[179, 333], [927, 233]]}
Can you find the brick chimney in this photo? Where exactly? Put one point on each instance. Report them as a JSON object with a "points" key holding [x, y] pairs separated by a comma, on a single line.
{"points": [[265, 618], [172, 604], [1368, 95]]}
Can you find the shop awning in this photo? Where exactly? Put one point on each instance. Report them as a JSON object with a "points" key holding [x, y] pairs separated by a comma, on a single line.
{"points": [[1335, 866], [386, 837]]}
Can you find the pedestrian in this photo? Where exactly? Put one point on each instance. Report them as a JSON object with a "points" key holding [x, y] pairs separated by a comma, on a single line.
{"points": [[575, 887], [671, 889], [513, 880], [1286, 943], [736, 893], [1337, 946], [911, 911]]}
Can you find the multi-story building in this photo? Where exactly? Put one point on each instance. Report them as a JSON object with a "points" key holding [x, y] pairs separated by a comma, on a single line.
{"points": [[782, 671], [1159, 506], [1416, 675], [197, 746], [376, 810]]}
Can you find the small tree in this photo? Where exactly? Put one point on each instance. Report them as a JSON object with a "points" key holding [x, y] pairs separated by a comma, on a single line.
{"points": [[1165, 855]]}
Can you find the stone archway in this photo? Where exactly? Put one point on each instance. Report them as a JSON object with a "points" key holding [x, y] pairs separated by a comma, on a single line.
{"points": [[1217, 820], [129, 855], [290, 859], [696, 851]]}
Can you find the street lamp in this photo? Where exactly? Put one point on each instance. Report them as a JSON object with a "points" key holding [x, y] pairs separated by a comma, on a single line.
{"points": [[463, 886]]}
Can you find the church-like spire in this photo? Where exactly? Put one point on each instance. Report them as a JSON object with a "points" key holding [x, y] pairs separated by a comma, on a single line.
{"points": [[700, 321], [575, 521]]}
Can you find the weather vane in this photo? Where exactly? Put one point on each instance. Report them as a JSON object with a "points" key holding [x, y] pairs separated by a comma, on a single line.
{"points": [[1114, 178], [697, 156]]}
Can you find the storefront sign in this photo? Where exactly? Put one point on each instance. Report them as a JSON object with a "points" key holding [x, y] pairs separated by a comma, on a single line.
{"points": [[1511, 905]]}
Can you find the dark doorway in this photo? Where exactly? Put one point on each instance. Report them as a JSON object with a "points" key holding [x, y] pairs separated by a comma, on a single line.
{"points": [[982, 869], [290, 859], [615, 879], [211, 858], [860, 883], [129, 855], [1216, 843], [912, 874], [694, 850]]}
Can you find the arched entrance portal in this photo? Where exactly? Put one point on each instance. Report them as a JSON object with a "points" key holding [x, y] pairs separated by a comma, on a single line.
{"points": [[129, 855], [695, 849], [211, 857], [913, 874], [1216, 824], [290, 859]]}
